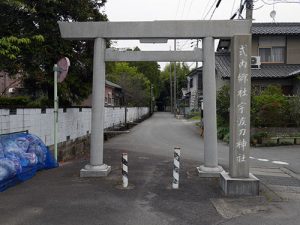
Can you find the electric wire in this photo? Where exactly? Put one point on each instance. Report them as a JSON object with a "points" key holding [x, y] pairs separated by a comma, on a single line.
{"points": [[232, 7], [178, 4], [183, 8], [210, 9], [217, 6], [190, 7], [206, 7]]}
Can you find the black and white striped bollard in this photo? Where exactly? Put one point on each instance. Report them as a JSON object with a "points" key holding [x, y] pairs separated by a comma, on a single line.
{"points": [[125, 169], [175, 184]]}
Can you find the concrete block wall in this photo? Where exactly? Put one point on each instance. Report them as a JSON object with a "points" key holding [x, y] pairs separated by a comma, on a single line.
{"points": [[73, 122]]}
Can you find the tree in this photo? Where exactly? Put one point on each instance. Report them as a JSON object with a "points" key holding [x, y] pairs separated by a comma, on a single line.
{"points": [[164, 85], [135, 85], [38, 18], [151, 70], [270, 107], [223, 104]]}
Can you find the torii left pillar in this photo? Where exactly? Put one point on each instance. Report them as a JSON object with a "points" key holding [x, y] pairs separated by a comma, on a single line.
{"points": [[96, 167]]}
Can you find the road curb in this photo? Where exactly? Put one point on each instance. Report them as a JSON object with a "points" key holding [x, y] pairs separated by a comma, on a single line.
{"points": [[291, 173]]}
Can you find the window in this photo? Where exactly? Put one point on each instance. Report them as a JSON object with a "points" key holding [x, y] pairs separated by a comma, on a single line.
{"points": [[191, 83], [287, 89], [274, 54]]}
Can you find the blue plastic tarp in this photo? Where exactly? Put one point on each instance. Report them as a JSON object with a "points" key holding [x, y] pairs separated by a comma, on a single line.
{"points": [[21, 155]]}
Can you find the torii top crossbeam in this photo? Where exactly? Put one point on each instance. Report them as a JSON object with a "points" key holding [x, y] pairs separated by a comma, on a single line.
{"points": [[156, 29]]}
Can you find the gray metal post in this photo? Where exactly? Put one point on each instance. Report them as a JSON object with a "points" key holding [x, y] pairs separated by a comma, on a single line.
{"points": [[96, 166], [175, 83], [210, 167], [197, 47], [55, 69], [171, 91], [249, 10]]}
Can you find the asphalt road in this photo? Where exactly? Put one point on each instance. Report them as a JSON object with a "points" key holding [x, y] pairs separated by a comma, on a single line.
{"points": [[60, 196], [161, 133]]}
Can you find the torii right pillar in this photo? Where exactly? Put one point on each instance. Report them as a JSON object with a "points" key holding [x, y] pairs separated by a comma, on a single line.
{"points": [[239, 181]]}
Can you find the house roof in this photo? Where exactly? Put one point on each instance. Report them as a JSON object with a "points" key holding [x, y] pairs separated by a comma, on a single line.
{"points": [[297, 72], [276, 28], [261, 29], [194, 72], [223, 66], [109, 83]]}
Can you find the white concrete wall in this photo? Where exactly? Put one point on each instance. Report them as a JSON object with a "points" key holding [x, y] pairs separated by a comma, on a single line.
{"points": [[72, 123]]}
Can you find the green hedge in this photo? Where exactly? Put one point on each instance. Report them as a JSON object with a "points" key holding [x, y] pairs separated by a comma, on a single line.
{"points": [[25, 101], [19, 101], [271, 108]]}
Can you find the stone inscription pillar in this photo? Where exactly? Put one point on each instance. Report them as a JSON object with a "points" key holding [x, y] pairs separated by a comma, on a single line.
{"points": [[239, 182], [240, 94]]}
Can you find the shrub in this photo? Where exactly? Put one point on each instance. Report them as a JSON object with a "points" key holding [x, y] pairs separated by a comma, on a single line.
{"points": [[223, 104], [294, 110], [269, 108], [226, 138], [19, 101], [222, 132]]}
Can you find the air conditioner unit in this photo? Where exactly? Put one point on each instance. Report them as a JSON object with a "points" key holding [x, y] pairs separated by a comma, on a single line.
{"points": [[255, 62], [11, 90]]}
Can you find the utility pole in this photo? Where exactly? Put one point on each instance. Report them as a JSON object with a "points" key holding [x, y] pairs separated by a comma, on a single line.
{"points": [[197, 47], [152, 108], [249, 9], [175, 83], [171, 91]]}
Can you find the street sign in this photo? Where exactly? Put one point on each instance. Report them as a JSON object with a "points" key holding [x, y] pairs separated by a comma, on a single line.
{"points": [[63, 65]]}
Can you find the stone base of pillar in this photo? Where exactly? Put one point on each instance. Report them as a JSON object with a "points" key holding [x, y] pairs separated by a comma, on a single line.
{"points": [[95, 171], [239, 186], [204, 171]]}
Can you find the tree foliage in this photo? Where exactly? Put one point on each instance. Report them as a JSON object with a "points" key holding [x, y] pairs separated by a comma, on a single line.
{"points": [[223, 104], [270, 108], [31, 45], [151, 70], [164, 85], [135, 85]]}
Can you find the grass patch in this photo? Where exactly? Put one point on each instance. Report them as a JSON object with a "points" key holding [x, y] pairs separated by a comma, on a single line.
{"points": [[195, 118]]}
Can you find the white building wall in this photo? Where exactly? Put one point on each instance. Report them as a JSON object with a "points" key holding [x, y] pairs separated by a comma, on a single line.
{"points": [[72, 124]]}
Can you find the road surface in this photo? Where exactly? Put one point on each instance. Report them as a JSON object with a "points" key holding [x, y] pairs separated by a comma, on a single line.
{"points": [[161, 133], [60, 196]]}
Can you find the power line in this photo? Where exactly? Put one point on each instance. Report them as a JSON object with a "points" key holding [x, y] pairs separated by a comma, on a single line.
{"points": [[206, 7], [210, 9], [178, 4], [183, 8], [233, 6], [191, 3], [217, 6], [279, 2]]}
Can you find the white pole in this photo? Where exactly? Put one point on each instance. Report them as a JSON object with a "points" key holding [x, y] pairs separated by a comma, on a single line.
{"points": [[55, 69], [125, 169], [175, 184]]}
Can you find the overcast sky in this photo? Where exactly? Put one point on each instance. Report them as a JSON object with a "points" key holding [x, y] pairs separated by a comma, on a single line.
{"points": [[149, 10]]}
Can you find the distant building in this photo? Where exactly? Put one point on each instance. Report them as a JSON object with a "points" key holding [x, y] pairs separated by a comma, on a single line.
{"points": [[9, 86], [113, 95], [275, 60]]}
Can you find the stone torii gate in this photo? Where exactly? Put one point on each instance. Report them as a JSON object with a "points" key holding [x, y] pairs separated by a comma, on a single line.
{"points": [[238, 181]]}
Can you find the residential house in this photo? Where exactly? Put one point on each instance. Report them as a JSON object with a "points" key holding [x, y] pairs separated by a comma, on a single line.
{"points": [[193, 93], [113, 95], [9, 86], [275, 58]]}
